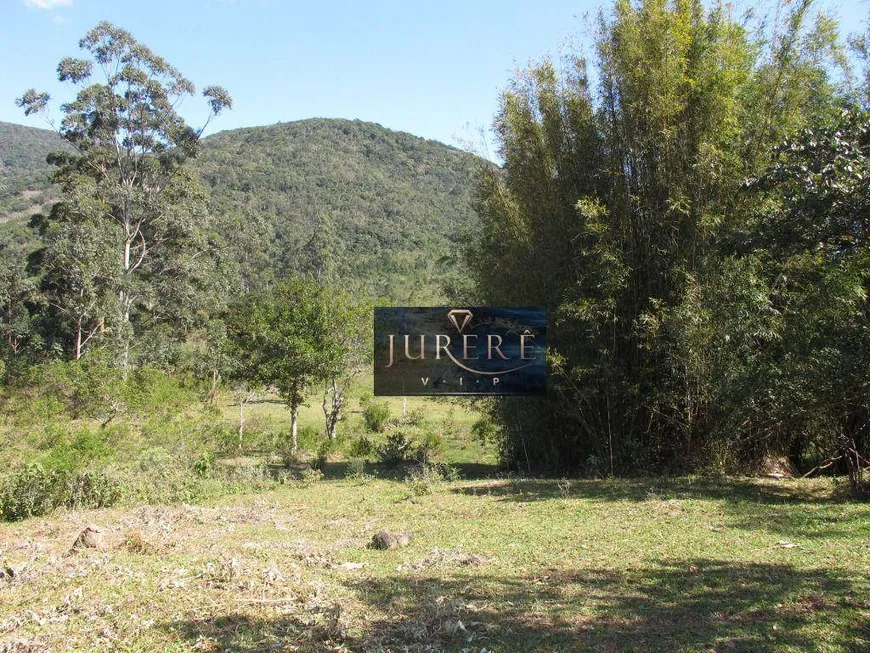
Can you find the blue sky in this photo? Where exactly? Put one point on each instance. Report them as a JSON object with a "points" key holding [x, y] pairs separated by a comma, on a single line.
{"points": [[434, 69]]}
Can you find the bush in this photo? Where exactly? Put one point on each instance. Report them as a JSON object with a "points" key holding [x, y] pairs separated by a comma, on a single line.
{"points": [[89, 387], [413, 418], [397, 449], [309, 477], [427, 447], [163, 476], [204, 464], [36, 491], [376, 416], [324, 451], [421, 481], [362, 448], [426, 477], [94, 387], [411, 446], [76, 451], [307, 438]]}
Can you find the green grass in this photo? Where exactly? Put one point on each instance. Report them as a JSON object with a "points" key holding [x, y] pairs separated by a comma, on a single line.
{"points": [[454, 417], [646, 565], [497, 563]]}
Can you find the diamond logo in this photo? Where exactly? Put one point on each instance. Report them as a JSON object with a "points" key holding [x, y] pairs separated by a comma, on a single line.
{"points": [[460, 317]]}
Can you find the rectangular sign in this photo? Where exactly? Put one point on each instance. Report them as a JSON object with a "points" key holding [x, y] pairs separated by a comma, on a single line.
{"points": [[460, 351]]}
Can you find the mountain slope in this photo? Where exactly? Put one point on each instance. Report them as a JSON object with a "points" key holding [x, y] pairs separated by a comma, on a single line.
{"points": [[23, 170], [379, 206], [346, 200]]}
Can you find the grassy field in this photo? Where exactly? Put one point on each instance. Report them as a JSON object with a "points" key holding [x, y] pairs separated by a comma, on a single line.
{"points": [[495, 565]]}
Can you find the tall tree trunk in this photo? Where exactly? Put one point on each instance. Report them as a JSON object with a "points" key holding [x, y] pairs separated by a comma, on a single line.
{"points": [[79, 337], [295, 398], [212, 391], [124, 295], [332, 405]]}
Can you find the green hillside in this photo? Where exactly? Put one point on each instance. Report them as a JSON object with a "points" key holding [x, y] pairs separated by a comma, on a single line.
{"points": [[344, 199], [23, 170]]}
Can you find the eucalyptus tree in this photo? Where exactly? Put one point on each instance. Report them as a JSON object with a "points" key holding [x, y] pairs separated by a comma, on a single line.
{"points": [[127, 167]]}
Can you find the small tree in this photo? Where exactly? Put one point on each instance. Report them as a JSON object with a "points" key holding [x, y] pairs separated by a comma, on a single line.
{"points": [[350, 336], [283, 338]]}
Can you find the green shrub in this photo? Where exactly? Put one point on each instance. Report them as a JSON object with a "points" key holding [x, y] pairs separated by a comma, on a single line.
{"points": [[421, 482], [162, 476], [423, 479], [397, 449], [308, 437], [204, 464], [35, 491], [90, 387], [150, 391], [309, 476], [594, 467], [326, 448], [361, 447], [74, 451], [94, 387], [376, 416], [415, 418], [409, 445], [356, 469], [427, 447], [92, 489]]}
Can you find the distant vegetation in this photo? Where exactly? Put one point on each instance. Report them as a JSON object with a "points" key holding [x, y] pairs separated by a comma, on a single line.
{"points": [[350, 200], [344, 200], [23, 170]]}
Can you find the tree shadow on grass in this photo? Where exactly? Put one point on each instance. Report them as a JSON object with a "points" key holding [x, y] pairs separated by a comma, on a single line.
{"points": [[696, 605], [642, 489], [787, 508], [340, 468]]}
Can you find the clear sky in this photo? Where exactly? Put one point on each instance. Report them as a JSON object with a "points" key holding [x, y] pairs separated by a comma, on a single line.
{"points": [[432, 68]]}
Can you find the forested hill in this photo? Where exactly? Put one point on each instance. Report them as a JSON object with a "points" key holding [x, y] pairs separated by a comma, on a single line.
{"points": [[344, 199], [23, 170]]}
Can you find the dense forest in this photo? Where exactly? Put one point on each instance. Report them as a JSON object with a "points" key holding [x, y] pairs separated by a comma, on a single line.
{"points": [[697, 221], [344, 200], [336, 198]]}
